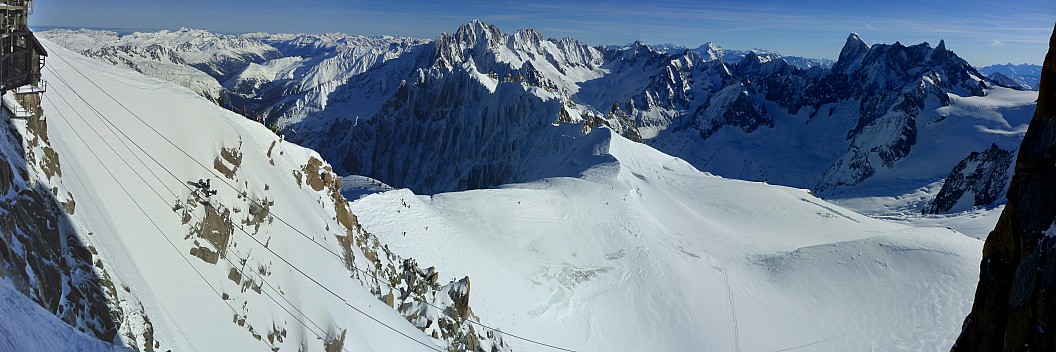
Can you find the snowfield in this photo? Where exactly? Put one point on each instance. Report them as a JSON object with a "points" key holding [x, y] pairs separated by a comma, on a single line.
{"points": [[648, 254]]}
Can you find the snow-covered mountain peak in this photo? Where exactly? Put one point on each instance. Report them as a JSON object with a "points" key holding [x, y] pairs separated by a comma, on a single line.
{"points": [[853, 52], [908, 63], [711, 51], [486, 43], [478, 33], [871, 103], [710, 46], [555, 66], [1023, 75], [528, 36], [187, 39], [81, 40], [755, 65]]}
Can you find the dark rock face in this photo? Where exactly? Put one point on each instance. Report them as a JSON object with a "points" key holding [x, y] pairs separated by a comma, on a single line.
{"points": [[1015, 304], [40, 252], [982, 176], [443, 130], [481, 152], [734, 106]]}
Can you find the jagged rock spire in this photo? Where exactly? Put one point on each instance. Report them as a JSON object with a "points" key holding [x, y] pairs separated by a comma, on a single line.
{"points": [[854, 50]]}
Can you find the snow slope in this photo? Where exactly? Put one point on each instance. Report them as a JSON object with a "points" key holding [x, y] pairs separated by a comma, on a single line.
{"points": [[224, 271], [644, 252], [26, 326]]}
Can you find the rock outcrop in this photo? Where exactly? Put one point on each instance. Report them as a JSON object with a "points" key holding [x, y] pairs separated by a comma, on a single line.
{"points": [[41, 253], [978, 180], [1015, 304]]}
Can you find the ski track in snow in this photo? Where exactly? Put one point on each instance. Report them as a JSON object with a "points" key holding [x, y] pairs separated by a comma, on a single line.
{"points": [[733, 309]]}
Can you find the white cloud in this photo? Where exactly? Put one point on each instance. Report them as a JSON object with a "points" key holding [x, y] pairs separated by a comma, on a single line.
{"points": [[997, 43]]}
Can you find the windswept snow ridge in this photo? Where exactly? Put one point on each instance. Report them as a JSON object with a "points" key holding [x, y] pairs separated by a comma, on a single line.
{"points": [[647, 253]]}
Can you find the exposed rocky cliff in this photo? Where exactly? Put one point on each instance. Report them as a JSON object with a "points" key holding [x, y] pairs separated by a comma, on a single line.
{"points": [[978, 180], [892, 85], [474, 109], [1015, 304], [42, 252]]}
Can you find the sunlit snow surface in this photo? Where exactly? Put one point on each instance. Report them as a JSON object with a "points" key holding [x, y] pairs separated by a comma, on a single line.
{"points": [[187, 314], [974, 222], [647, 253]]}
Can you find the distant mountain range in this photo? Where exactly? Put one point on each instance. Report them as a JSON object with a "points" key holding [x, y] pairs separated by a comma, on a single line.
{"points": [[479, 107], [712, 51], [1026, 76]]}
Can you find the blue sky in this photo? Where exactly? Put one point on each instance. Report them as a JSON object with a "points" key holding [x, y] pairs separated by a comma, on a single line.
{"points": [[983, 32]]}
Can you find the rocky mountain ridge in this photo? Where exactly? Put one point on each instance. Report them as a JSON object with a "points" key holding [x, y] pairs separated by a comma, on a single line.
{"points": [[977, 181], [862, 117], [711, 51]]}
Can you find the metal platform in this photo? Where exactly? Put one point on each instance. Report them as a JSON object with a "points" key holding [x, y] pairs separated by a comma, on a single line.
{"points": [[16, 110], [21, 54]]}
